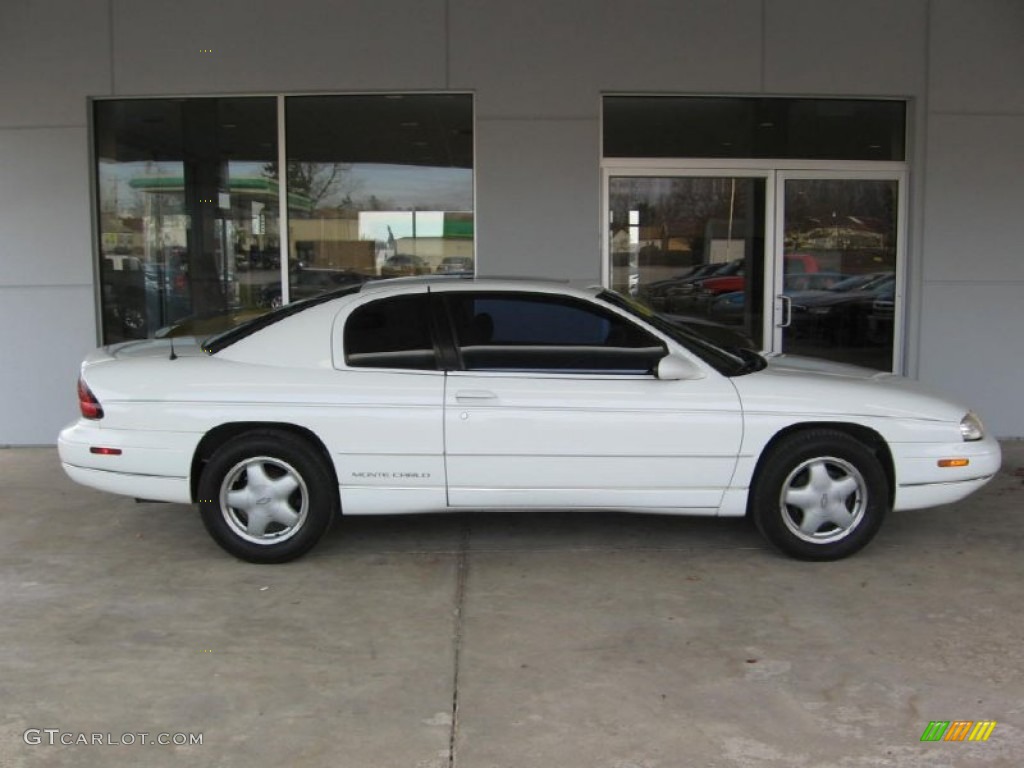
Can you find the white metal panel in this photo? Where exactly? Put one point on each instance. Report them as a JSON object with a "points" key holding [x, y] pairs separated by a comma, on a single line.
{"points": [[551, 440], [974, 188], [44, 209], [537, 58], [538, 196], [44, 332], [52, 56], [264, 46], [976, 56], [868, 47], [972, 348]]}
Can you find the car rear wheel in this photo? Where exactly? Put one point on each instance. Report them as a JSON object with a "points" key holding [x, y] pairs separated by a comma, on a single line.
{"points": [[267, 497], [820, 495]]}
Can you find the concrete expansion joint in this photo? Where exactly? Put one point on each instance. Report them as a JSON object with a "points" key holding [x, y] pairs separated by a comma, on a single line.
{"points": [[461, 572]]}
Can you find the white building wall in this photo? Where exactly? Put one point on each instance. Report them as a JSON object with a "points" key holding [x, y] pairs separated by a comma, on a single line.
{"points": [[971, 300], [538, 69]]}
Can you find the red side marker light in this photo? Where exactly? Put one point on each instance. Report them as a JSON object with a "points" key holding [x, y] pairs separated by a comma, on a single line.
{"points": [[87, 402], [105, 451]]}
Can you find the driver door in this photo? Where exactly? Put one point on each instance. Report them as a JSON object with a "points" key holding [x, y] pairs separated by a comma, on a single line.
{"points": [[556, 404]]}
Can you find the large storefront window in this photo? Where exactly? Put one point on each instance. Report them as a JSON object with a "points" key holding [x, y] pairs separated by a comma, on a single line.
{"points": [[189, 193]]}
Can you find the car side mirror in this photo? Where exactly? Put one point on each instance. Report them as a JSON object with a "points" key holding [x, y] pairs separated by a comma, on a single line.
{"points": [[677, 368]]}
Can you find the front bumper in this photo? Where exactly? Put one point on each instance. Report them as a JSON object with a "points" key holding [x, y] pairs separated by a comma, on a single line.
{"points": [[921, 482]]}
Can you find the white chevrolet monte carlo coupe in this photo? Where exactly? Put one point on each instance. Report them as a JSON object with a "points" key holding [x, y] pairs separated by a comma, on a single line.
{"points": [[449, 394]]}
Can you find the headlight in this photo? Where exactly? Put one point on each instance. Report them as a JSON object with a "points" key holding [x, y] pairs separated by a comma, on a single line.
{"points": [[971, 427]]}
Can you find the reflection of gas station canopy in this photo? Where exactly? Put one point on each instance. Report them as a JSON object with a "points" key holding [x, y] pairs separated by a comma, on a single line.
{"points": [[257, 188]]}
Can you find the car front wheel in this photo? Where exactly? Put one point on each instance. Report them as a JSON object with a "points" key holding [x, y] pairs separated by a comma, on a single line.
{"points": [[267, 497], [820, 495]]}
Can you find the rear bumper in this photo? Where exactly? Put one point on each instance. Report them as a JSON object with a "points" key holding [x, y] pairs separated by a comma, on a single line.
{"points": [[149, 487], [152, 465]]}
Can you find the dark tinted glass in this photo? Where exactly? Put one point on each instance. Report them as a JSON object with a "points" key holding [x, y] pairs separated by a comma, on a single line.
{"points": [[540, 333], [391, 333], [809, 129]]}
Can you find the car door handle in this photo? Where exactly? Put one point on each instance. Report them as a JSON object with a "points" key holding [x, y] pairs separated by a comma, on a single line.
{"points": [[474, 395]]}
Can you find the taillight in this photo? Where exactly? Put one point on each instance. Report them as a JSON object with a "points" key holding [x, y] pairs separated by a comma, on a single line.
{"points": [[87, 402]]}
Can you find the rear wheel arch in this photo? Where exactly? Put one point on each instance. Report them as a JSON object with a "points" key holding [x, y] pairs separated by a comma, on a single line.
{"points": [[869, 437], [224, 433]]}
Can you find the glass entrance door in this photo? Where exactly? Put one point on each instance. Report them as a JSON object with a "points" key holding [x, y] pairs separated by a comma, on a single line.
{"points": [[693, 248], [801, 262], [841, 235]]}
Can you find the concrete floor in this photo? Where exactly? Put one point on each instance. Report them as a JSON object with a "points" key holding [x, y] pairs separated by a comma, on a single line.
{"points": [[558, 640]]}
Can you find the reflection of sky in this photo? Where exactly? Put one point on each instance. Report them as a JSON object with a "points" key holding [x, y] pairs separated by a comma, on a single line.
{"points": [[415, 186], [395, 186], [373, 225]]}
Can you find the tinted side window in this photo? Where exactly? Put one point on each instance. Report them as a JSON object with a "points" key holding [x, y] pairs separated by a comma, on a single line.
{"points": [[391, 333], [533, 332]]}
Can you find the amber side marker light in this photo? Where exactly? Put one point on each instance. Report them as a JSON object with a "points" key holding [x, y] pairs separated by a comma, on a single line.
{"points": [[105, 451], [954, 462]]}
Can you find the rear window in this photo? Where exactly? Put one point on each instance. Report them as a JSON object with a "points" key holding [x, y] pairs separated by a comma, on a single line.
{"points": [[391, 333], [215, 344]]}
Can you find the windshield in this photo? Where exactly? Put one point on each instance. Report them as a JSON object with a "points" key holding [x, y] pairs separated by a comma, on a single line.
{"points": [[729, 361], [215, 344]]}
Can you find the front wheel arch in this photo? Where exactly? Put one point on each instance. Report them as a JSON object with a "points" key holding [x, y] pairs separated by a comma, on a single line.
{"points": [[224, 433], [869, 437], [827, 464]]}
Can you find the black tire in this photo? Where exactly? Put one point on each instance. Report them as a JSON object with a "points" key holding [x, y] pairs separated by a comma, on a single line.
{"points": [[819, 495], [295, 499]]}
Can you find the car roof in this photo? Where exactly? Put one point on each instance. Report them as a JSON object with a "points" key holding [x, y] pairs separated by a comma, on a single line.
{"points": [[473, 283]]}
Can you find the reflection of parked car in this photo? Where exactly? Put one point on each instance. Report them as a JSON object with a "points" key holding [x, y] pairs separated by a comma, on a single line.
{"points": [[403, 265], [839, 315], [455, 265], [681, 295], [139, 296], [710, 287], [255, 258], [730, 307], [883, 313], [305, 282], [658, 293]]}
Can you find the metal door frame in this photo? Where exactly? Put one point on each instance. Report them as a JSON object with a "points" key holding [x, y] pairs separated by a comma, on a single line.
{"points": [[775, 173]]}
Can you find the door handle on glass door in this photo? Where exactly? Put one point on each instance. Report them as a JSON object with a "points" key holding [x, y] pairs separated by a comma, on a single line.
{"points": [[787, 310]]}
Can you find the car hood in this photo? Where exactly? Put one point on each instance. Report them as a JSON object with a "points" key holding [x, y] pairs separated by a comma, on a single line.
{"points": [[792, 384]]}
